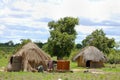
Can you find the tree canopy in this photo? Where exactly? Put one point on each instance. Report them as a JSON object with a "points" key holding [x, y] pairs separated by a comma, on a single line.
{"points": [[98, 39], [62, 36], [25, 41], [9, 43]]}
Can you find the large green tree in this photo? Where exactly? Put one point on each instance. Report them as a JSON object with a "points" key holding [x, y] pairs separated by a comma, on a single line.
{"points": [[62, 36], [98, 39]]}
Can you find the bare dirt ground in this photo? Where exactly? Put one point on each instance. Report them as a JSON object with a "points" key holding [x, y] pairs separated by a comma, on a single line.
{"points": [[2, 69], [94, 71]]}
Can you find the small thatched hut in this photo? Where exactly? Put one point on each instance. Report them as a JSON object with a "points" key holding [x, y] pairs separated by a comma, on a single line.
{"points": [[28, 58], [91, 57]]}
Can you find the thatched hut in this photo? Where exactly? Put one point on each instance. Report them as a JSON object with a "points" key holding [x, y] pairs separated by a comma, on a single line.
{"points": [[91, 57], [28, 58]]}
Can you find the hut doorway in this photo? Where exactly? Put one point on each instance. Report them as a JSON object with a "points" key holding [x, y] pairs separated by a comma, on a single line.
{"points": [[11, 60], [88, 63]]}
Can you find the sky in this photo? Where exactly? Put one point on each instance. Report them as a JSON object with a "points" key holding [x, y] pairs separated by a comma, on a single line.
{"points": [[28, 19]]}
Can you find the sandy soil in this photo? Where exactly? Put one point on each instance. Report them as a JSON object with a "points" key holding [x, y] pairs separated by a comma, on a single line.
{"points": [[94, 71], [2, 69]]}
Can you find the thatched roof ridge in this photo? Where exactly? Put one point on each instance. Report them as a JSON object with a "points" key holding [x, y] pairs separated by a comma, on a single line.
{"points": [[91, 53]]}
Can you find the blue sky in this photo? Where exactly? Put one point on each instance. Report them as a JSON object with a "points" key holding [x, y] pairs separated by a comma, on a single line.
{"points": [[23, 19]]}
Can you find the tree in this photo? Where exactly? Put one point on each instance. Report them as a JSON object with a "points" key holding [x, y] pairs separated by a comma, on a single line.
{"points": [[45, 47], [98, 39], [9, 43], [25, 41], [114, 57], [39, 44], [78, 46], [62, 36]]}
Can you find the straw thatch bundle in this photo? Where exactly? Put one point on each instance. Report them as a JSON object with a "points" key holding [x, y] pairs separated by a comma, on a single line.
{"points": [[28, 58]]}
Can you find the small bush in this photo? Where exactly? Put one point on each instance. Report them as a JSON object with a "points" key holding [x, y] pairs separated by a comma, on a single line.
{"points": [[114, 58]]}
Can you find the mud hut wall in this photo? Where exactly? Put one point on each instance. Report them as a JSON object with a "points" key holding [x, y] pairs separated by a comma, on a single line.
{"points": [[17, 63], [94, 64], [80, 61]]}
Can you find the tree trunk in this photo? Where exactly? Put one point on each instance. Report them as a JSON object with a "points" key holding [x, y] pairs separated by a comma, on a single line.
{"points": [[59, 58]]}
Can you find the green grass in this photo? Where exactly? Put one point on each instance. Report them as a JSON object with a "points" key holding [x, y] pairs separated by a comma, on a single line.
{"points": [[3, 61], [73, 65], [111, 68], [112, 72], [56, 76]]}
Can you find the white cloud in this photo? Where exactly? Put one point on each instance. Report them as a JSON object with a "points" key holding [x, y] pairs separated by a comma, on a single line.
{"points": [[39, 10], [24, 22], [2, 28], [4, 11], [116, 37], [36, 32], [94, 10], [89, 29], [42, 40], [22, 5]]}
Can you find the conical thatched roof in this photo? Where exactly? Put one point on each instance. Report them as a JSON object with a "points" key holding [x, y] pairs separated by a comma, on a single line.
{"points": [[32, 51], [91, 53]]}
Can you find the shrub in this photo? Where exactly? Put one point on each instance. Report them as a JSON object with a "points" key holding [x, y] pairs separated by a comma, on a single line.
{"points": [[114, 57]]}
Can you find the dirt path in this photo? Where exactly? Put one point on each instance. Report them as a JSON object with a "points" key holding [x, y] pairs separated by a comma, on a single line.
{"points": [[94, 71]]}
